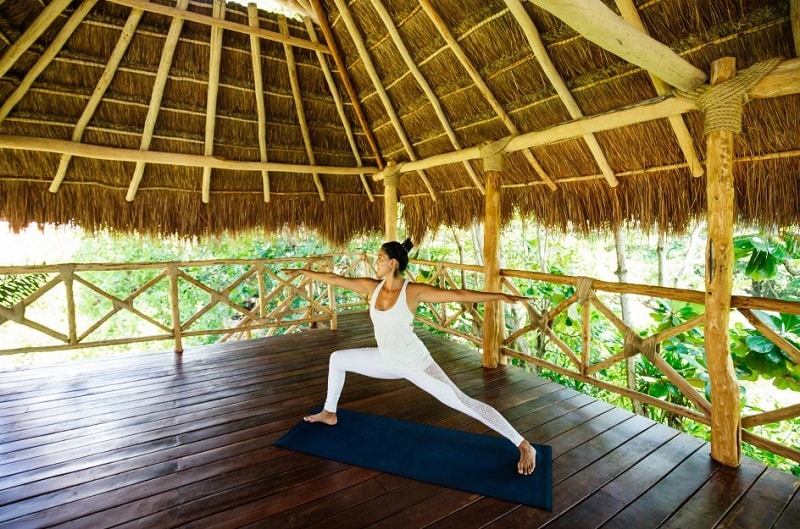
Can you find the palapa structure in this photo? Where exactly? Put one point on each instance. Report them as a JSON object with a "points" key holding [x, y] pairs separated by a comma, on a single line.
{"points": [[203, 117], [199, 117]]}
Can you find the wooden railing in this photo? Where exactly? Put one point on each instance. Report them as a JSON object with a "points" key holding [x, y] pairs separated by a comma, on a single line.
{"points": [[253, 298], [238, 299]]}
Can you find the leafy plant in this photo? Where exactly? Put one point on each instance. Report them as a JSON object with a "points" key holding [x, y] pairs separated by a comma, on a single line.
{"points": [[15, 288]]}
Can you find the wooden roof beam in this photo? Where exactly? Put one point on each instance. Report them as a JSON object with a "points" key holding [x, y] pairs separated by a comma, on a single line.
{"points": [[42, 22], [261, 110], [783, 80], [156, 95], [215, 59], [348, 84], [426, 87], [100, 152], [540, 52], [44, 60], [344, 12], [482, 87], [794, 15], [103, 83], [266, 34], [682, 135], [298, 103], [599, 24], [337, 99]]}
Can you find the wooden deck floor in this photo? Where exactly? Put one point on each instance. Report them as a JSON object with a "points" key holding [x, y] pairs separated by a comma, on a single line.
{"points": [[157, 441]]}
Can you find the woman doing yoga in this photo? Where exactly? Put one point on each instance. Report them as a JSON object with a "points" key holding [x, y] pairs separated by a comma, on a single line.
{"points": [[400, 353]]}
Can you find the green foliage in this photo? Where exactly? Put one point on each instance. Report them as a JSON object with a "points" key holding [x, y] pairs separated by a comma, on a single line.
{"points": [[15, 288]]}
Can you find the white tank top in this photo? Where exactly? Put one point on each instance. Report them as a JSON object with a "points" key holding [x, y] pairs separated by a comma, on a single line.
{"points": [[394, 332]]}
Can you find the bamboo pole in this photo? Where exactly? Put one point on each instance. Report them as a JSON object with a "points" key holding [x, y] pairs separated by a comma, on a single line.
{"points": [[390, 184], [44, 60], [68, 278], [549, 69], [493, 312], [482, 87], [725, 410], [597, 23], [157, 93], [179, 14], [99, 152], [291, 66], [103, 83], [394, 34], [50, 12], [630, 13], [215, 60], [261, 109], [348, 84], [369, 66], [337, 99]]}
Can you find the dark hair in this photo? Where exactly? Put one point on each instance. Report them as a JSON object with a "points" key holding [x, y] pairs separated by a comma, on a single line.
{"points": [[399, 252]]}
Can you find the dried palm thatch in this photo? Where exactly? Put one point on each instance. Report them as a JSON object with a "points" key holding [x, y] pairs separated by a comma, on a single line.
{"points": [[199, 117]]}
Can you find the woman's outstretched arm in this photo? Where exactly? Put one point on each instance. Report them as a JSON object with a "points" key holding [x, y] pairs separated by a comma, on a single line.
{"points": [[420, 292], [362, 285]]}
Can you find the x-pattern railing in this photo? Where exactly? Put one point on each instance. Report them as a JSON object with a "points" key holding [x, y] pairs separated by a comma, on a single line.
{"points": [[281, 304]]}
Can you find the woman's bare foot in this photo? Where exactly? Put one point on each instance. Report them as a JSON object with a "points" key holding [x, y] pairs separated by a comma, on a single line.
{"points": [[527, 458], [324, 416]]}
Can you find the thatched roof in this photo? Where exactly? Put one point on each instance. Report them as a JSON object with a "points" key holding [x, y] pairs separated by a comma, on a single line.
{"points": [[154, 116]]}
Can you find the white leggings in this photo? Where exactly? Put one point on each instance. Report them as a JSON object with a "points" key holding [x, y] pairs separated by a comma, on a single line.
{"points": [[367, 361]]}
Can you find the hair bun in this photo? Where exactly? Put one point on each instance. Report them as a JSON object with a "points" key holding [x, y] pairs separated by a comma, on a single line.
{"points": [[407, 244]]}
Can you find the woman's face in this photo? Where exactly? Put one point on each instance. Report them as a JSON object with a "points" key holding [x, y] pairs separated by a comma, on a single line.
{"points": [[384, 265]]}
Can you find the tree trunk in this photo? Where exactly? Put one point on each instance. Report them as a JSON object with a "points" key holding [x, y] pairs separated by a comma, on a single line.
{"points": [[624, 302]]}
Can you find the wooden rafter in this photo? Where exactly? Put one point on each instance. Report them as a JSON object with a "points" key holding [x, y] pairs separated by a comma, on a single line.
{"points": [[215, 60], [783, 80], [291, 65], [42, 22], [99, 91], [599, 24], [482, 87], [363, 53], [425, 85], [258, 76], [543, 58], [631, 14], [155, 98], [337, 99], [191, 16], [48, 55], [348, 84], [794, 15]]}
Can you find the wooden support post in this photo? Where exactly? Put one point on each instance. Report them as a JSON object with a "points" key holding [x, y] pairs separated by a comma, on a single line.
{"points": [[390, 183], [725, 409], [68, 277], [175, 308], [493, 316]]}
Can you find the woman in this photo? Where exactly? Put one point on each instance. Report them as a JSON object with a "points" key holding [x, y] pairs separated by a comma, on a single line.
{"points": [[400, 353]]}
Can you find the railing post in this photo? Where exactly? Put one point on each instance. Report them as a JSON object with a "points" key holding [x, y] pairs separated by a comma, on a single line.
{"points": [[172, 271], [332, 299], [67, 272]]}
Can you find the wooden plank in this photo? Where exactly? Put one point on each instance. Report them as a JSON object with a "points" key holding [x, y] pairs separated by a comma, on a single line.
{"points": [[709, 504], [764, 502]]}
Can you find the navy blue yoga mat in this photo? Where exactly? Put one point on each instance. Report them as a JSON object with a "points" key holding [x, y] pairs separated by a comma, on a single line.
{"points": [[482, 464]]}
